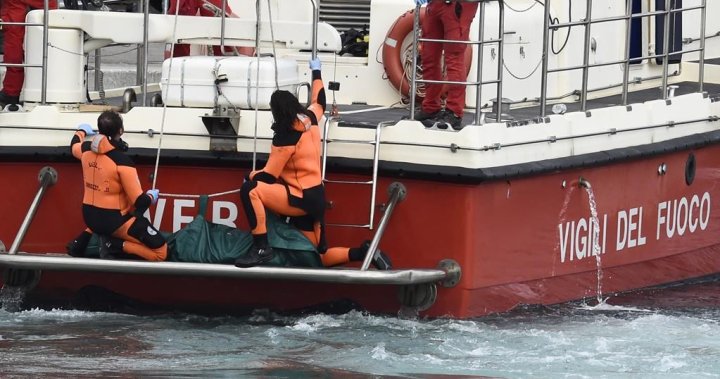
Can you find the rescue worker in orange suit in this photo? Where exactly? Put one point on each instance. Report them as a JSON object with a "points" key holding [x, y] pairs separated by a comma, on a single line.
{"points": [[446, 20], [14, 52], [113, 201], [191, 8], [290, 183]]}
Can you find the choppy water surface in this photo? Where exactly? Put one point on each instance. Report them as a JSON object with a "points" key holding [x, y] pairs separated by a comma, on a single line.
{"points": [[672, 335]]}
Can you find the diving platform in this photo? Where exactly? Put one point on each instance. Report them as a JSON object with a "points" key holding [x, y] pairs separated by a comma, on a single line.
{"points": [[61, 262]]}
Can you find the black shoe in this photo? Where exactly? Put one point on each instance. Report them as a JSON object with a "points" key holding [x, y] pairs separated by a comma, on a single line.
{"points": [[256, 256], [421, 115], [76, 247], [6, 100], [380, 260], [110, 248], [449, 118]]}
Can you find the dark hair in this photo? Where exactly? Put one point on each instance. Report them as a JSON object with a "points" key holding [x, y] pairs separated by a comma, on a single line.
{"points": [[109, 123], [285, 108]]}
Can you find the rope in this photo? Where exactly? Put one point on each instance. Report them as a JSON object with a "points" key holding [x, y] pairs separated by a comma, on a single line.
{"points": [[524, 77], [407, 71], [189, 196], [167, 88], [523, 10], [272, 36], [83, 54], [257, 80]]}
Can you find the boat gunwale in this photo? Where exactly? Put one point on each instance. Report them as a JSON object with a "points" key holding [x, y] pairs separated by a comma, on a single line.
{"points": [[404, 170]]}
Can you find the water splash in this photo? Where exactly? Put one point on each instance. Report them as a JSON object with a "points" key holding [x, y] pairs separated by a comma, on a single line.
{"points": [[11, 298], [596, 251]]}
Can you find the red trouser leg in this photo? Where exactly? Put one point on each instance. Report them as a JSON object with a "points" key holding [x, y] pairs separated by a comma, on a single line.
{"points": [[457, 29], [432, 27], [15, 11]]}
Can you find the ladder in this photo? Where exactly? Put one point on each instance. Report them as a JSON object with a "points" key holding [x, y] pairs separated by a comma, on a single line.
{"points": [[376, 156]]}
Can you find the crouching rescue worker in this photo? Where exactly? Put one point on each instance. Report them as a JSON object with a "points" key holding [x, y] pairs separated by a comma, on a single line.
{"points": [[113, 202], [290, 183]]}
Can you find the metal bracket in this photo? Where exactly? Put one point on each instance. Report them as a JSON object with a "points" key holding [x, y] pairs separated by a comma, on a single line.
{"points": [[453, 272], [223, 129]]}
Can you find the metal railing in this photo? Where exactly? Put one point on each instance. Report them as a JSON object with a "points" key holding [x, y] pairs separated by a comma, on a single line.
{"points": [[43, 65], [667, 13], [481, 42], [47, 177], [376, 161]]}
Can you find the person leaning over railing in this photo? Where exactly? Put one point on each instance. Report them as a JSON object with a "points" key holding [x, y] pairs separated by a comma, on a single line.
{"points": [[14, 52], [113, 202], [445, 20], [290, 184]]}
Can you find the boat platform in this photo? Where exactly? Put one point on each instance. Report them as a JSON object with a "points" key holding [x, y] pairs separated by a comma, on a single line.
{"points": [[61, 262]]}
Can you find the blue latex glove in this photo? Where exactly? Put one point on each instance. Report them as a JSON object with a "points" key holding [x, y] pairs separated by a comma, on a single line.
{"points": [[87, 129], [420, 2], [315, 64], [154, 195]]}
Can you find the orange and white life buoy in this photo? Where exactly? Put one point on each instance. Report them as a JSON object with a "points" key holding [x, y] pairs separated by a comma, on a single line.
{"points": [[392, 51]]}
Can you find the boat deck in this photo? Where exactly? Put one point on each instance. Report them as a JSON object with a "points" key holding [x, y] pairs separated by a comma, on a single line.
{"points": [[369, 116]]}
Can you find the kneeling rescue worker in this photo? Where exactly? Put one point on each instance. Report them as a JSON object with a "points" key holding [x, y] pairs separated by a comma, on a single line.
{"points": [[113, 202], [290, 184]]}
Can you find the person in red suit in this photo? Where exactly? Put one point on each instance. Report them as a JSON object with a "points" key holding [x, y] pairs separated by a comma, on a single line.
{"points": [[207, 8], [15, 11], [446, 20]]}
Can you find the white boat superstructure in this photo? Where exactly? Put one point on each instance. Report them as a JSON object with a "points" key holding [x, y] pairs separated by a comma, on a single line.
{"points": [[579, 67]]}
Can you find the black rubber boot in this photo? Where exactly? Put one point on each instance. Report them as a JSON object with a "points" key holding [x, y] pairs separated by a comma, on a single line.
{"points": [[6, 100], [259, 253], [76, 247], [380, 260]]}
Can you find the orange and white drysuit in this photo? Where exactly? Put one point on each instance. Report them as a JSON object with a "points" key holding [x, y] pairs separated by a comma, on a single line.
{"points": [[113, 201], [290, 184]]}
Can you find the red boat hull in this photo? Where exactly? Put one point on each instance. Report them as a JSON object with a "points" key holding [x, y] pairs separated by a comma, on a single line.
{"points": [[522, 241]]}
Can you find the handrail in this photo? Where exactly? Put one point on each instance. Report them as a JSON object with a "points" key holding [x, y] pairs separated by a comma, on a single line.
{"points": [[56, 262], [47, 177], [586, 56], [666, 47], [43, 66], [667, 13], [376, 161], [480, 43], [703, 26], [397, 193]]}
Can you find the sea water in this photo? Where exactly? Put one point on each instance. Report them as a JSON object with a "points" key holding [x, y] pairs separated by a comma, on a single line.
{"points": [[669, 333]]}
